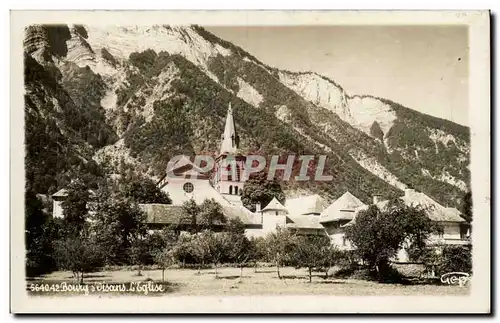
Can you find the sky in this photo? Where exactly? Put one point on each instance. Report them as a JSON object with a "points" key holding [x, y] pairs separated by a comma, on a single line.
{"points": [[424, 68]]}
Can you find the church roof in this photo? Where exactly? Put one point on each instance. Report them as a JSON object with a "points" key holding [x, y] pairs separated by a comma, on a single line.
{"points": [[229, 143], [342, 209], [306, 204], [274, 205], [185, 162]]}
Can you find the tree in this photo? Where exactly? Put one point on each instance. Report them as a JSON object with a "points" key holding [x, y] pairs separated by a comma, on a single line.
{"points": [[163, 259], [258, 189], [467, 207], [189, 215], [79, 254], [311, 252], [40, 232], [200, 248], [331, 257], [235, 227], [455, 258], [159, 240], [162, 248], [75, 207], [279, 247], [185, 251], [117, 222], [260, 250], [242, 249], [218, 245], [143, 190], [210, 215], [378, 235], [138, 252]]}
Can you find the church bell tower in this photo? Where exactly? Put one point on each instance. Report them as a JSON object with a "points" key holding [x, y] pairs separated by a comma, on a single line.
{"points": [[229, 165]]}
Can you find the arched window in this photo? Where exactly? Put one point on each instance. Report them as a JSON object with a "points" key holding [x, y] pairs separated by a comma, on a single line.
{"points": [[238, 172], [236, 190], [229, 173], [230, 189]]}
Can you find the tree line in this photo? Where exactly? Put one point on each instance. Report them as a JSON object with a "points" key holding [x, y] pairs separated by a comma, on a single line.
{"points": [[107, 227]]}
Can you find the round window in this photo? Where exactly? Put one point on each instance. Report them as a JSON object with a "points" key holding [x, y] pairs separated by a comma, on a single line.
{"points": [[188, 187]]}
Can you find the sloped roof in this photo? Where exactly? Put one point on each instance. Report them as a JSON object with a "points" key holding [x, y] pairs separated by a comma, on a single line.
{"points": [[64, 192], [304, 222], [229, 144], [342, 209], [171, 214], [338, 215], [453, 212], [435, 211], [241, 212], [61, 193], [161, 213], [274, 205], [184, 161], [306, 204]]}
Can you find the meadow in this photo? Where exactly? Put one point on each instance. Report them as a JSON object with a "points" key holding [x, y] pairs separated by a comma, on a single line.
{"points": [[260, 281]]}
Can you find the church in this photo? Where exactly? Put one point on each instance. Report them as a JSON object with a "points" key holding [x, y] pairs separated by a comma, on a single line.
{"points": [[185, 181]]}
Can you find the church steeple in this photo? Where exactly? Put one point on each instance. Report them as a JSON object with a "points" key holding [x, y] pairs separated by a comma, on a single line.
{"points": [[228, 177], [230, 139]]}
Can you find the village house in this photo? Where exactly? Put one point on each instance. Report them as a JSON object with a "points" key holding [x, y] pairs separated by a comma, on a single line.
{"points": [[455, 230]]}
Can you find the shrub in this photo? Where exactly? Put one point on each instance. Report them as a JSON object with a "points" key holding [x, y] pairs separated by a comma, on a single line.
{"points": [[455, 258]]}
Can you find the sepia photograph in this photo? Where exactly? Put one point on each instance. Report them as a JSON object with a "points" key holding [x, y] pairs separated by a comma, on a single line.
{"points": [[163, 157]]}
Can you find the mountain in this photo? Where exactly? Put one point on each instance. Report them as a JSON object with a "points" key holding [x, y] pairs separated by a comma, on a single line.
{"points": [[104, 100]]}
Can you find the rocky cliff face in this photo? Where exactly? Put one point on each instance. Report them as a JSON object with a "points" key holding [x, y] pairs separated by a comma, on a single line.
{"points": [[137, 95]]}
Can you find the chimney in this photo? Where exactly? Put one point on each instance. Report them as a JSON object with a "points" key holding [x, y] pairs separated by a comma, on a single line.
{"points": [[409, 192], [376, 199], [257, 207]]}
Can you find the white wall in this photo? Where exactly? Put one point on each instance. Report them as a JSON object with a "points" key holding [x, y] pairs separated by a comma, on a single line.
{"points": [[202, 190], [337, 235], [270, 221], [57, 211], [450, 231], [224, 187]]}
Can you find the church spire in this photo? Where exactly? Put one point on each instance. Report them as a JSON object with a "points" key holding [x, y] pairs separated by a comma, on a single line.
{"points": [[229, 138]]}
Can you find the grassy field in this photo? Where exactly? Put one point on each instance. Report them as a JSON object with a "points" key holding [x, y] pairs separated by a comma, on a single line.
{"points": [[262, 282]]}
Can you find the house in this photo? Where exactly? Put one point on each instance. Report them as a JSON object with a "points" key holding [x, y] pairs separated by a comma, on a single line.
{"points": [[455, 230], [57, 200], [60, 196], [338, 214]]}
